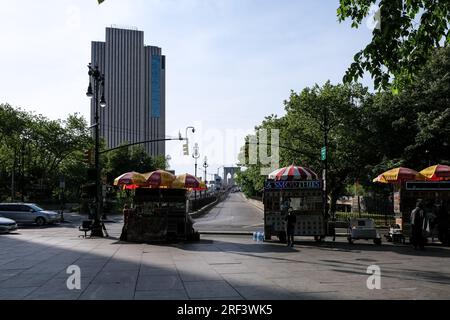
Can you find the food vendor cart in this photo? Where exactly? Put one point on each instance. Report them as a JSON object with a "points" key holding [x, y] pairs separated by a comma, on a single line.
{"points": [[160, 206], [160, 214], [302, 188], [436, 192], [431, 185]]}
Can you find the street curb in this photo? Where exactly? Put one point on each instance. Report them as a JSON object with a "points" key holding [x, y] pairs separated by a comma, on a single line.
{"points": [[258, 204], [227, 233], [201, 212]]}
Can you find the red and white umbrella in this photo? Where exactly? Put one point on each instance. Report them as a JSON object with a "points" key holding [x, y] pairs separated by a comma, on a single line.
{"points": [[293, 173]]}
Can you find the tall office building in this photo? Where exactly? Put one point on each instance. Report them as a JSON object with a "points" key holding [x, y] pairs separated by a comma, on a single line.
{"points": [[134, 90]]}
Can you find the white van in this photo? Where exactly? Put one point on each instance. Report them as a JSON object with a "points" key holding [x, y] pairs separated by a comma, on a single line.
{"points": [[28, 213]]}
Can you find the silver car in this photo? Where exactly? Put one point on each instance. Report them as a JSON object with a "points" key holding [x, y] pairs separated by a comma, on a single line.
{"points": [[28, 213], [7, 225]]}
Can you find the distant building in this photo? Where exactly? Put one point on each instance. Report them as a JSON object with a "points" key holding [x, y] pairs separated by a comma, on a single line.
{"points": [[135, 90]]}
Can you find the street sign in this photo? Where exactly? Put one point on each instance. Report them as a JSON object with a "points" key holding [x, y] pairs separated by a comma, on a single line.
{"points": [[324, 153]]}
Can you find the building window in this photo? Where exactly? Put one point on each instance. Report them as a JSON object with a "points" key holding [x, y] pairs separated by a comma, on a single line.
{"points": [[156, 87]]}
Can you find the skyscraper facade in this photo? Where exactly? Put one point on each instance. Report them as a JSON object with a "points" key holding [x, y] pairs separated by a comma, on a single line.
{"points": [[134, 90]]}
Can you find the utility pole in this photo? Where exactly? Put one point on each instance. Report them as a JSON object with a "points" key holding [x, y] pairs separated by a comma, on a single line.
{"points": [[326, 129], [13, 178]]}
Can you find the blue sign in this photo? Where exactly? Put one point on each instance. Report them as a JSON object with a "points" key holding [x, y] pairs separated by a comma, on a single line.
{"points": [[284, 185], [156, 87]]}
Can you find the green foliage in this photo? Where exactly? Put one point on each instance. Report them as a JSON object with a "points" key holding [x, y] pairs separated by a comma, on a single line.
{"points": [[125, 160], [408, 33], [36, 152], [368, 134]]}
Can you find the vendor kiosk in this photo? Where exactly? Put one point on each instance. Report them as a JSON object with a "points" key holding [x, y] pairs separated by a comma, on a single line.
{"points": [[159, 215], [435, 192], [306, 200]]}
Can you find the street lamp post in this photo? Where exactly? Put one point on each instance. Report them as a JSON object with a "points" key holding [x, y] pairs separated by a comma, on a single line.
{"points": [[193, 131], [205, 165], [196, 156], [97, 84]]}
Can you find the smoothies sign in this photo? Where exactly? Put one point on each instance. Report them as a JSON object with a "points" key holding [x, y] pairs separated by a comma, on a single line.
{"points": [[278, 185]]}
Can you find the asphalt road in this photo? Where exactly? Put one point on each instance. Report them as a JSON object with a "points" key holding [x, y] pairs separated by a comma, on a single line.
{"points": [[235, 214]]}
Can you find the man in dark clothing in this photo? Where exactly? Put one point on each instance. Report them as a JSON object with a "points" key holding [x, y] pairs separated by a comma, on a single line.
{"points": [[417, 222], [291, 220], [126, 216]]}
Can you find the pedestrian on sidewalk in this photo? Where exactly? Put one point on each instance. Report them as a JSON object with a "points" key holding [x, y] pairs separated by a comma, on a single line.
{"points": [[126, 215], [291, 220], [417, 223]]}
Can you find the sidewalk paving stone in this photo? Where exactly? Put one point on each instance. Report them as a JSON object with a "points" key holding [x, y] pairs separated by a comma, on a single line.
{"points": [[33, 264]]}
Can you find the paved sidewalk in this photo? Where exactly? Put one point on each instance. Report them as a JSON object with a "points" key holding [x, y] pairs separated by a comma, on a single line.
{"points": [[33, 265]]}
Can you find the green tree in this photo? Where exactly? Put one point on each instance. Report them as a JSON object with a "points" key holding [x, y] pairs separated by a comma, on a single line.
{"points": [[409, 31], [36, 152], [412, 128], [130, 159], [302, 135]]}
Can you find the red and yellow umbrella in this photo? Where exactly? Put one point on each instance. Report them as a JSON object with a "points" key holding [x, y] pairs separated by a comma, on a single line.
{"points": [[293, 173], [130, 180], [438, 172], [188, 181], [397, 175], [159, 179]]}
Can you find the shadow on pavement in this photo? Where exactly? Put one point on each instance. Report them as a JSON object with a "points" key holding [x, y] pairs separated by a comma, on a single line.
{"points": [[32, 269]]}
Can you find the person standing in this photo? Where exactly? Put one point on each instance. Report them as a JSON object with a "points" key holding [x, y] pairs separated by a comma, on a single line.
{"points": [[291, 220], [285, 206], [126, 215], [417, 222]]}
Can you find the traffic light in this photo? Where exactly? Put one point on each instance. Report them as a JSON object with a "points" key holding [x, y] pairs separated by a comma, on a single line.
{"points": [[246, 152], [186, 149], [88, 156]]}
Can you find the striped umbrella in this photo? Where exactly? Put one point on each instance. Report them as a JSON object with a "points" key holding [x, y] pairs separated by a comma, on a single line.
{"points": [[438, 172], [293, 173], [130, 180], [188, 181], [159, 179], [397, 175]]}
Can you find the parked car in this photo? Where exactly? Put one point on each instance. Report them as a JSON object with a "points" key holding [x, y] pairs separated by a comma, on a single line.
{"points": [[7, 225], [28, 213]]}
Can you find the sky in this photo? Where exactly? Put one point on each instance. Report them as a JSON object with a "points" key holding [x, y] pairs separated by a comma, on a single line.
{"points": [[229, 64]]}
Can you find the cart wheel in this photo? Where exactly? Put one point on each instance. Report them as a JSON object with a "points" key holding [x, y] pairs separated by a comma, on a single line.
{"points": [[377, 241]]}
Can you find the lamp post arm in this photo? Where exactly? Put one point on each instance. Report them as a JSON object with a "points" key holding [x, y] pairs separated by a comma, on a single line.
{"points": [[138, 143]]}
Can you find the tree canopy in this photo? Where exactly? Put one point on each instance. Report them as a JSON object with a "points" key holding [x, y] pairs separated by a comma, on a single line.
{"points": [[368, 133], [407, 34], [36, 153]]}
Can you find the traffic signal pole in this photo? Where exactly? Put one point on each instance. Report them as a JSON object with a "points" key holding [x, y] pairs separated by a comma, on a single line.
{"points": [[325, 163]]}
